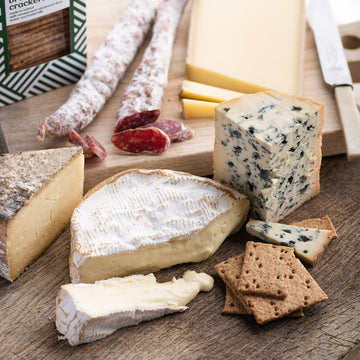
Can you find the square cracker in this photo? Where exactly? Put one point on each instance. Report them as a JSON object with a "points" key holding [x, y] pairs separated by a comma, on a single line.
{"points": [[303, 292], [264, 269], [323, 223], [234, 307]]}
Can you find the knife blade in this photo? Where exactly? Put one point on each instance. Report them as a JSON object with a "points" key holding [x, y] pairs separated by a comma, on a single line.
{"points": [[4, 148], [336, 72]]}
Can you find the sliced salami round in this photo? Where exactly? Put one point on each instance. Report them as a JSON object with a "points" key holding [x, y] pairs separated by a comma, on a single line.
{"points": [[138, 141], [106, 68], [91, 147], [144, 95], [175, 130]]}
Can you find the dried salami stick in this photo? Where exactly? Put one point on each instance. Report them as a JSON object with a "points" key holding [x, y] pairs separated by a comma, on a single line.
{"points": [[104, 72], [143, 97]]}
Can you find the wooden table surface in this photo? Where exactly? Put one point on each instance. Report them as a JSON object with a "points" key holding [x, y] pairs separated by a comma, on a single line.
{"points": [[328, 331]]}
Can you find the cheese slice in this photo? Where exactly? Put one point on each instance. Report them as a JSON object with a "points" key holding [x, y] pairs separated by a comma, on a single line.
{"points": [[198, 109], [308, 243], [247, 45], [88, 312], [268, 146], [145, 220], [198, 91], [38, 193]]}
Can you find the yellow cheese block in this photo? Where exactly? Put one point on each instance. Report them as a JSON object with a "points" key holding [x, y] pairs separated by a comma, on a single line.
{"points": [[38, 193], [198, 91], [247, 45], [197, 109]]}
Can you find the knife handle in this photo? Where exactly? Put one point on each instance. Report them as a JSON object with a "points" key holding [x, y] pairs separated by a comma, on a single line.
{"points": [[350, 120]]}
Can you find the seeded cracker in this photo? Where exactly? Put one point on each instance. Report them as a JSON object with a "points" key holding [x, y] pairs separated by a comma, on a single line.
{"points": [[323, 223], [264, 270]]}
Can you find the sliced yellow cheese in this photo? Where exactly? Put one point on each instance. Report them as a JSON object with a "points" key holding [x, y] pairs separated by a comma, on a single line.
{"points": [[247, 45], [38, 193], [197, 109], [198, 91]]}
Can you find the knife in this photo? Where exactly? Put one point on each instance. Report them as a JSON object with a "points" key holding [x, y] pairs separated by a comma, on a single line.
{"points": [[4, 148], [336, 72]]}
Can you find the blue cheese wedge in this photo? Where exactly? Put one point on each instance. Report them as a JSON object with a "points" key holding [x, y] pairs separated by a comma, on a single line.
{"points": [[88, 312], [38, 193], [268, 146], [145, 220], [308, 243]]}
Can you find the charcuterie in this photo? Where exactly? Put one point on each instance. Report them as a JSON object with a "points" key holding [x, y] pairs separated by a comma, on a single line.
{"points": [[91, 147], [143, 97], [175, 130], [105, 70], [137, 141]]}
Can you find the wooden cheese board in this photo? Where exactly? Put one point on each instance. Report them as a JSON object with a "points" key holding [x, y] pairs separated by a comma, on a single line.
{"points": [[328, 331], [20, 120]]}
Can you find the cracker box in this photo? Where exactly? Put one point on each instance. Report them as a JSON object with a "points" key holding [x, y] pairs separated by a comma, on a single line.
{"points": [[42, 46]]}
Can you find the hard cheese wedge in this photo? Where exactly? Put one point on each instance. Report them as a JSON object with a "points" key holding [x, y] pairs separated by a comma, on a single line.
{"points": [[88, 312], [38, 193], [308, 243], [268, 146], [198, 91], [198, 109], [247, 45], [145, 220]]}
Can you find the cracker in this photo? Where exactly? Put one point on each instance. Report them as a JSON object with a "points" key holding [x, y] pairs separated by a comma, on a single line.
{"points": [[264, 269], [303, 292], [232, 305], [323, 223]]}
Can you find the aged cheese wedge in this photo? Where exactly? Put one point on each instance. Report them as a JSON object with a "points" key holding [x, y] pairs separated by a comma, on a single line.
{"points": [[308, 243], [268, 146], [38, 193], [247, 45], [198, 109], [145, 220], [198, 91], [88, 312]]}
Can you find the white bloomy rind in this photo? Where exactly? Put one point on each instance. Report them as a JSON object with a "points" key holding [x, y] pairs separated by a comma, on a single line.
{"points": [[145, 220], [88, 312]]}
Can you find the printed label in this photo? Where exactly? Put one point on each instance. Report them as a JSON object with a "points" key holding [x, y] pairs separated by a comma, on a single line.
{"points": [[18, 11]]}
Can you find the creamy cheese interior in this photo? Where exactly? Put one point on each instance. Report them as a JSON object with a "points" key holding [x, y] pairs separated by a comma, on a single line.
{"points": [[42, 219]]}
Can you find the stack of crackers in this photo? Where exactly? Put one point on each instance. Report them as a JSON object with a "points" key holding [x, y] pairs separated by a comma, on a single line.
{"points": [[269, 282]]}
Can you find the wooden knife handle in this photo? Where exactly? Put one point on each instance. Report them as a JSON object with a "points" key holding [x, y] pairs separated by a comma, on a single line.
{"points": [[350, 120]]}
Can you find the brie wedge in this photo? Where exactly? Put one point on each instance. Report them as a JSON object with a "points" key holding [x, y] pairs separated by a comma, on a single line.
{"points": [[88, 312], [145, 220]]}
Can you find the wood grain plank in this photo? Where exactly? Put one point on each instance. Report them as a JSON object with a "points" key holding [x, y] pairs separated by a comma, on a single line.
{"points": [[21, 119], [328, 330]]}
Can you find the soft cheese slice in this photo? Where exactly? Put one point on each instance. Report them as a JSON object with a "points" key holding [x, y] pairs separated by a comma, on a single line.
{"points": [[247, 45], [38, 193], [88, 312], [198, 91], [308, 243], [268, 146], [198, 109], [145, 220]]}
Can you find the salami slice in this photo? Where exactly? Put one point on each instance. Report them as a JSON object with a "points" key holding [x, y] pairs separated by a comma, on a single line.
{"points": [[138, 141], [106, 68], [175, 130], [143, 97], [91, 147]]}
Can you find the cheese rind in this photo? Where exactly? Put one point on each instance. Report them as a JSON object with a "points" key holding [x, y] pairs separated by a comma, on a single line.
{"points": [[268, 146], [145, 220], [88, 312], [198, 91], [38, 192], [247, 46], [308, 243]]}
